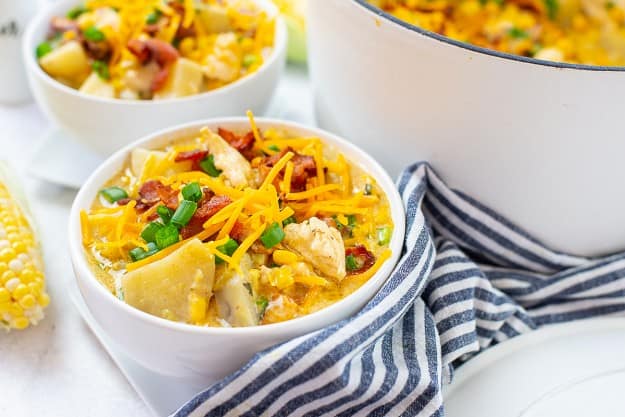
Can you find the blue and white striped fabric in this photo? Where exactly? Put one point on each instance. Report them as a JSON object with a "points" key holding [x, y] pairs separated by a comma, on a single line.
{"points": [[467, 279]]}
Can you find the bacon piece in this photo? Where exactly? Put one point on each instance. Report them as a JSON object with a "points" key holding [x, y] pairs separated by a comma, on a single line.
{"points": [[238, 232], [364, 259], [153, 191], [98, 50], [139, 49], [207, 208], [244, 143], [161, 52], [63, 24], [304, 166], [140, 207], [195, 156]]}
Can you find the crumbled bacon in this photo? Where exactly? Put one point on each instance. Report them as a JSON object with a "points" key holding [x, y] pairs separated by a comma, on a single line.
{"points": [[153, 191], [160, 51], [238, 232], [195, 156], [98, 50], [364, 259], [63, 24], [243, 143], [207, 208], [139, 49], [303, 167]]}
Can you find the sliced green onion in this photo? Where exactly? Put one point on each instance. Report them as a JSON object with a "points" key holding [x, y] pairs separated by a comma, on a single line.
{"points": [[249, 60], [208, 166], [272, 236], [183, 213], [43, 49], [164, 213], [384, 235], [351, 220], [289, 220], [552, 7], [166, 236], [274, 148], [261, 303], [94, 34], [517, 33], [227, 248], [149, 232], [153, 17], [368, 189], [76, 11], [113, 194], [351, 263], [101, 68], [192, 192], [137, 254]]}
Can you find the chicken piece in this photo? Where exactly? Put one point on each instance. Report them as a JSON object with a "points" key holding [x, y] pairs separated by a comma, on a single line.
{"points": [[319, 244], [224, 64], [96, 86], [68, 62], [233, 165], [175, 287], [235, 299], [185, 79]]}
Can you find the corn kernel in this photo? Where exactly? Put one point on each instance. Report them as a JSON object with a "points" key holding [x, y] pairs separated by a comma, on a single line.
{"points": [[284, 257], [28, 301], [197, 309], [20, 291], [20, 323], [5, 295], [43, 300], [7, 254]]}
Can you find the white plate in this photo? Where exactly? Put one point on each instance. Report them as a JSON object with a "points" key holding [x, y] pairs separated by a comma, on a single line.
{"points": [[569, 370], [62, 161]]}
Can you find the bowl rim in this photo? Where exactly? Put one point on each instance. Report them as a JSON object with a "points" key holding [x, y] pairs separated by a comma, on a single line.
{"points": [[42, 17], [484, 51], [318, 319]]}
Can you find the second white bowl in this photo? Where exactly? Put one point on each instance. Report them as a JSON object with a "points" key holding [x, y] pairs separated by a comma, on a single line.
{"points": [[106, 125]]}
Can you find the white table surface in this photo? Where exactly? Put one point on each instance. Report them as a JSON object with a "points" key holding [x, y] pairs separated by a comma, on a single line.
{"points": [[58, 368]]}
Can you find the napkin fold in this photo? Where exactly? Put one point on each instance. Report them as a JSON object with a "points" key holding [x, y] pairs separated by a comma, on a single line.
{"points": [[467, 279]]}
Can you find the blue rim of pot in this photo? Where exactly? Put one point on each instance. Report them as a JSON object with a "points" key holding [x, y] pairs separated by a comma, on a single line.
{"points": [[479, 49]]}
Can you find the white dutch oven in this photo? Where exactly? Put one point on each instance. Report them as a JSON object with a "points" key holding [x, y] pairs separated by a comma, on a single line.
{"points": [[542, 143]]}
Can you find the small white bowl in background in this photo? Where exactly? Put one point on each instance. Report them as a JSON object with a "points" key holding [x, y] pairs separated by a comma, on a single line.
{"points": [[204, 354], [106, 125]]}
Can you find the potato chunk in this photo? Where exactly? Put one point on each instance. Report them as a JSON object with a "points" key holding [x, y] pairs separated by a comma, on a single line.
{"points": [[214, 18], [185, 79], [174, 286], [235, 300], [68, 62], [233, 165], [319, 244], [96, 86]]}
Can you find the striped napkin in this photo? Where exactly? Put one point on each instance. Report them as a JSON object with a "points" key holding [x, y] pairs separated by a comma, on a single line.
{"points": [[468, 279]]}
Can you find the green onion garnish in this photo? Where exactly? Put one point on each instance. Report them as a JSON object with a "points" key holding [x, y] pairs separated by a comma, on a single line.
{"points": [[137, 254], [272, 236], [94, 34], [149, 232], [208, 166], [192, 192], [164, 213], [43, 48], [227, 248], [351, 263], [113, 194], [289, 220], [261, 303], [274, 148], [76, 11], [101, 68], [552, 8], [351, 220], [249, 60], [368, 189], [517, 33], [153, 17], [166, 236], [384, 235], [183, 213]]}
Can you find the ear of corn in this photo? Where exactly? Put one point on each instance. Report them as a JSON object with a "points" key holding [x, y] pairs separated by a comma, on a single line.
{"points": [[22, 286]]}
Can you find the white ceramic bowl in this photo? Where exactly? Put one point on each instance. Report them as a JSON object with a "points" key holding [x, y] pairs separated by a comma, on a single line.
{"points": [[106, 125], [540, 142], [205, 353]]}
